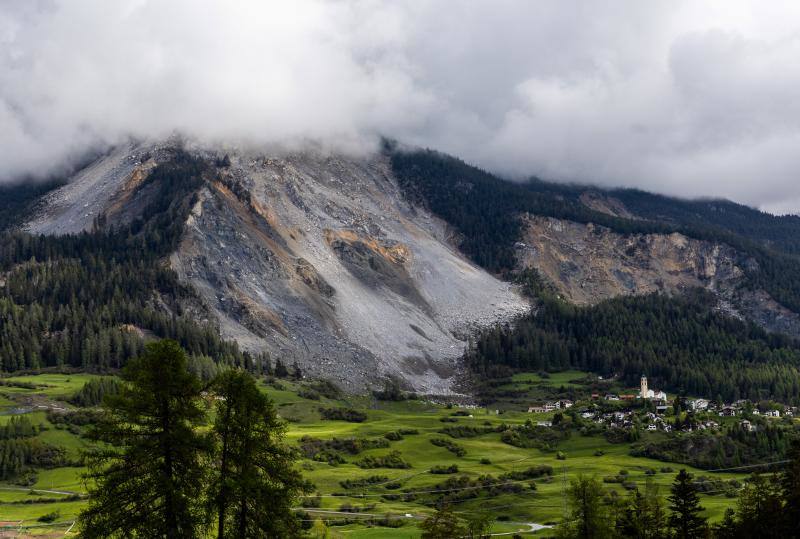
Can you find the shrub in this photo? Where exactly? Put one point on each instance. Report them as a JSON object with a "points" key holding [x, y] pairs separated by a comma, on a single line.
{"points": [[361, 483], [343, 414], [392, 460], [49, 517], [454, 448], [326, 388], [453, 468], [308, 393]]}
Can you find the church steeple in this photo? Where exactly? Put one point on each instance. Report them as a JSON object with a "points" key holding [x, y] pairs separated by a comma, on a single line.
{"points": [[643, 382]]}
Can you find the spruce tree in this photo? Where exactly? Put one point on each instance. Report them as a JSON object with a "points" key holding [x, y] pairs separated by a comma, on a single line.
{"points": [[144, 481], [790, 485], [686, 520], [255, 483], [589, 518]]}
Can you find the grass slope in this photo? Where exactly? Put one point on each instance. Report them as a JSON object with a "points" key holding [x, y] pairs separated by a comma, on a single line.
{"points": [[485, 454]]}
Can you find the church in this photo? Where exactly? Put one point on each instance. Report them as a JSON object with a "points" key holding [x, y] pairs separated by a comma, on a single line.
{"points": [[645, 393]]}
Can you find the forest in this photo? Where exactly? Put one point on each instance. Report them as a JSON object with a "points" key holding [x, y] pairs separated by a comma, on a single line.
{"points": [[681, 343], [87, 300]]}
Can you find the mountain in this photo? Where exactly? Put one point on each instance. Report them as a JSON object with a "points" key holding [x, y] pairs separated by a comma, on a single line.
{"points": [[592, 245], [314, 259], [360, 268]]}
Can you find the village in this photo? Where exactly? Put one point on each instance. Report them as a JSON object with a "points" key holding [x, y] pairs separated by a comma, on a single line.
{"points": [[652, 410]]}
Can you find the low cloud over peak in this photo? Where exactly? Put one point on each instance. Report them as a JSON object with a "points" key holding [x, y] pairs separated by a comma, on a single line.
{"points": [[686, 98]]}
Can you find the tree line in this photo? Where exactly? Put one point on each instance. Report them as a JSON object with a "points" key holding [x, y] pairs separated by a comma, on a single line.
{"points": [[680, 342]]}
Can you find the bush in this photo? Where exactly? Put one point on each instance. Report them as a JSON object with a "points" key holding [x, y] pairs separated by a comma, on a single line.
{"points": [[393, 436], [561, 456], [49, 517], [308, 393], [533, 472], [326, 388], [454, 448], [485, 461], [453, 468], [392, 460], [312, 447], [361, 483], [343, 414]]}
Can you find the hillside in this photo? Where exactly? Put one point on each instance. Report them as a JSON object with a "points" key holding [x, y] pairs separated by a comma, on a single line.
{"points": [[352, 269], [591, 246], [316, 260]]}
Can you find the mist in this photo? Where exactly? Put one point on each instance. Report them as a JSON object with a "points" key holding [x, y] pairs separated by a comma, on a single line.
{"points": [[683, 98]]}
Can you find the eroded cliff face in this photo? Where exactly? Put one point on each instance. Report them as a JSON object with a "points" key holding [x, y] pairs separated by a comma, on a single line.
{"points": [[320, 260], [316, 259], [588, 263]]}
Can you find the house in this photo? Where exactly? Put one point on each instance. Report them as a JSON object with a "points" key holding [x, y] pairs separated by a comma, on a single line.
{"points": [[587, 415], [536, 410], [595, 396], [564, 404], [746, 425], [652, 426], [627, 397], [727, 411], [611, 397], [699, 405], [550, 406], [772, 413], [544, 423]]}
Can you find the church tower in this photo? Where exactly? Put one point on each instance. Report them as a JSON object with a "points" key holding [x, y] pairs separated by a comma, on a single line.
{"points": [[643, 393]]}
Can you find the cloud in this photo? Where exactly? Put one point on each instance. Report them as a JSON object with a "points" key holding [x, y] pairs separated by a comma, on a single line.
{"points": [[686, 98]]}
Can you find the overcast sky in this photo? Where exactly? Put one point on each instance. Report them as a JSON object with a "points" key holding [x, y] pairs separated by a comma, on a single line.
{"points": [[687, 98]]}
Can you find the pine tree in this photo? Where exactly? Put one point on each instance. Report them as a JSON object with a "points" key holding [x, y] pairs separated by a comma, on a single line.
{"points": [[790, 485], [146, 481], [589, 518], [255, 484], [686, 520]]}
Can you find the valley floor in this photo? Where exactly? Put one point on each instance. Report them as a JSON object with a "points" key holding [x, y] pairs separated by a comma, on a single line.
{"points": [[47, 505]]}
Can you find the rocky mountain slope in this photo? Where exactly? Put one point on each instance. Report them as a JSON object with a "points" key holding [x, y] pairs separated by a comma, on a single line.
{"points": [[316, 259], [587, 264]]}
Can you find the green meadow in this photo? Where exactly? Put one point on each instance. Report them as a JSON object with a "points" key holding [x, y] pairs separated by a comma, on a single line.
{"points": [[402, 496]]}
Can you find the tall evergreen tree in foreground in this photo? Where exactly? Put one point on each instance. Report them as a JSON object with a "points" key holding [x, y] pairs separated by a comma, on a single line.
{"points": [[790, 485], [686, 520], [589, 518], [146, 482], [255, 484]]}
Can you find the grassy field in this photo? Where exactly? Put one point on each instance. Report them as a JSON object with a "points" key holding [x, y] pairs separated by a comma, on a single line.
{"points": [[485, 454]]}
